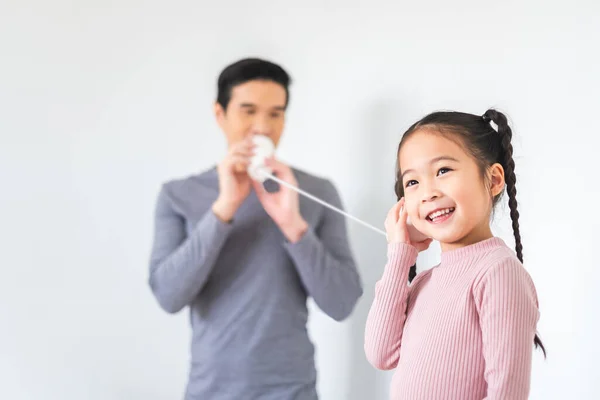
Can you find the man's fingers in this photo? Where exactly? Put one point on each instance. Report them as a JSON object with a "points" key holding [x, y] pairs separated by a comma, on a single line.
{"points": [[247, 151], [236, 159], [244, 147], [237, 163], [258, 188], [282, 171], [276, 165]]}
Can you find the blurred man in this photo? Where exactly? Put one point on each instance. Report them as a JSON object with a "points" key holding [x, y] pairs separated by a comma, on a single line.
{"points": [[245, 259]]}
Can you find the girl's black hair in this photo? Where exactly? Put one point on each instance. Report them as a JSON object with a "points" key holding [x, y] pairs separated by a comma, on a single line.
{"points": [[487, 146]]}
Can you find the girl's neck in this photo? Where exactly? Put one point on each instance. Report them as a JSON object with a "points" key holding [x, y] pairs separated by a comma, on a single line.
{"points": [[480, 233]]}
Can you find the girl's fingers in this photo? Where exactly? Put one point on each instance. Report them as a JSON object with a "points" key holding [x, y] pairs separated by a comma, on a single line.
{"points": [[424, 245], [403, 214], [398, 209], [392, 215]]}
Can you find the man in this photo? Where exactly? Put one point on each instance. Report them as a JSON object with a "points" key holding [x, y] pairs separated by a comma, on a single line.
{"points": [[245, 259]]}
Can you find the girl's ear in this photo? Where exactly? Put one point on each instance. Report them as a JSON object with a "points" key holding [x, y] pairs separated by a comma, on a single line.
{"points": [[496, 175]]}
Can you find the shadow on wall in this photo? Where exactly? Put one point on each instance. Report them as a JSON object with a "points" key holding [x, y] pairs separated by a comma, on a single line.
{"points": [[377, 157]]}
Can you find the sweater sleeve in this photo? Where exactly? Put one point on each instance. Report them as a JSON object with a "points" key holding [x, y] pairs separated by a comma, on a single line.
{"points": [[508, 312], [180, 265], [385, 322], [325, 263]]}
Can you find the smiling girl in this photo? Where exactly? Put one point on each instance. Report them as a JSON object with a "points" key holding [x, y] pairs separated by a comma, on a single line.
{"points": [[464, 329]]}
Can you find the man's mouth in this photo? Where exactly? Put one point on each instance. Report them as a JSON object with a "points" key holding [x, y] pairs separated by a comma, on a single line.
{"points": [[440, 215]]}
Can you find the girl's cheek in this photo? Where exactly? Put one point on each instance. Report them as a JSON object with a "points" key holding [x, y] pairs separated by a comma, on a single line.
{"points": [[413, 212], [411, 207]]}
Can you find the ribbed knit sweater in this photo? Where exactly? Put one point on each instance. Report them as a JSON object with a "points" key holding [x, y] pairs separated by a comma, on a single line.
{"points": [[462, 330]]}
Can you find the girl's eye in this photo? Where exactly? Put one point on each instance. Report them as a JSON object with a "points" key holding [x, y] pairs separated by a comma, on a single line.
{"points": [[411, 182], [444, 170]]}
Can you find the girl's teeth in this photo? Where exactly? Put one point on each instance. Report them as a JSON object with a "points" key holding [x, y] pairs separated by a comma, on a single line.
{"points": [[440, 213]]}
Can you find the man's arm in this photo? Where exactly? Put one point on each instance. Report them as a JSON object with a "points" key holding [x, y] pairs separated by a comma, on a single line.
{"points": [[180, 265], [325, 263]]}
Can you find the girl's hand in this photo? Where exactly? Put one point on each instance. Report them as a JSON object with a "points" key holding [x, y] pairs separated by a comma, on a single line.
{"points": [[397, 230]]}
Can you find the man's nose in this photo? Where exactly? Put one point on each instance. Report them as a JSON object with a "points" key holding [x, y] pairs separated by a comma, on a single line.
{"points": [[261, 126]]}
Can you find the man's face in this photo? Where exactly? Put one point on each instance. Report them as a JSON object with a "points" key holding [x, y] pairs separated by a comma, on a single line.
{"points": [[256, 108]]}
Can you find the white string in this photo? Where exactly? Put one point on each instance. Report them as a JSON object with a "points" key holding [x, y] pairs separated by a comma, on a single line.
{"points": [[310, 196]]}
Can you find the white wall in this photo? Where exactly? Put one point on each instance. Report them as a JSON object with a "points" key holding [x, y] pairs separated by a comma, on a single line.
{"points": [[102, 101]]}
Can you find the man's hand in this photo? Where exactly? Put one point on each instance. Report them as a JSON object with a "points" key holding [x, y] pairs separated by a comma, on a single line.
{"points": [[234, 182], [283, 206]]}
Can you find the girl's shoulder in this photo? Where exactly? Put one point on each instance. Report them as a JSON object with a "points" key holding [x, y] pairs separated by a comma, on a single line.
{"points": [[498, 256], [501, 267]]}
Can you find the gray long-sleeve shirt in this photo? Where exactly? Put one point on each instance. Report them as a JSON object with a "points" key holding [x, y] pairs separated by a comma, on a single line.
{"points": [[247, 287]]}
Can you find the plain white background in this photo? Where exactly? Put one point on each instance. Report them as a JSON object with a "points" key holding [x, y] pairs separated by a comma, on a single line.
{"points": [[102, 101]]}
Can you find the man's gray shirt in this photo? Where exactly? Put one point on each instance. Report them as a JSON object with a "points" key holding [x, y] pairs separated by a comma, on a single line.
{"points": [[247, 286]]}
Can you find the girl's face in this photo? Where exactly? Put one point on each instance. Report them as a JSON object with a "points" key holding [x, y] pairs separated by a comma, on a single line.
{"points": [[446, 196]]}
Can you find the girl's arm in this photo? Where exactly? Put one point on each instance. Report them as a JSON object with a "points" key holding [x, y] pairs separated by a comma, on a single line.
{"points": [[508, 309], [385, 323]]}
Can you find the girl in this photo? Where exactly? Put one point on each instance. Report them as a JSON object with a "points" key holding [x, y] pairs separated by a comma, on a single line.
{"points": [[464, 329]]}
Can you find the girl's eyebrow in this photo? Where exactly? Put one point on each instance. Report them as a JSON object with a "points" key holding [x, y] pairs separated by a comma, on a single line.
{"points": [[433, 161]]}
